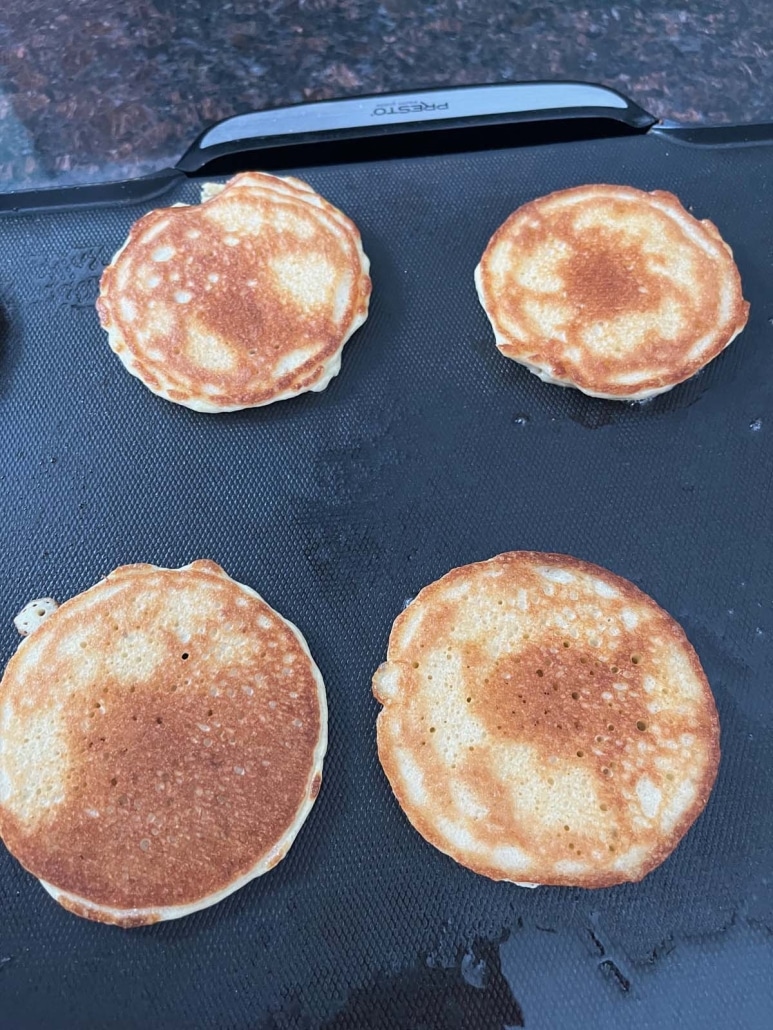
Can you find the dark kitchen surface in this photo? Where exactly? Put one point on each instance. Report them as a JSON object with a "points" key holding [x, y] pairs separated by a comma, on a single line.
{"points": [[108, 89]]}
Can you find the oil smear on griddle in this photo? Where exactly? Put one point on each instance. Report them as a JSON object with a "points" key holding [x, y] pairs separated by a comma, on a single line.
{"points": [[471, 993]]}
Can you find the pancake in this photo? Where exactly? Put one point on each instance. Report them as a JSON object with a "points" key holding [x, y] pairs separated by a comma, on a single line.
{"points": [[282, 186], [33, 614], [161, 743], [545, 722], [245, 299], [619, 293]]}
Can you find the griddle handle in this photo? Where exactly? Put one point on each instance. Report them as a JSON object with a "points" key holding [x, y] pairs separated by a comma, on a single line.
{"points": [[382, 115]]}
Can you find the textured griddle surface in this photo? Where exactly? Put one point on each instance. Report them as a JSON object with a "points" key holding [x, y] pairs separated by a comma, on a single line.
{"points": [[429, 450]]}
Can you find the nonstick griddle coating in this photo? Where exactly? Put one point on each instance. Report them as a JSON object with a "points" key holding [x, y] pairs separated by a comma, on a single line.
{"points": [[429, 450]]}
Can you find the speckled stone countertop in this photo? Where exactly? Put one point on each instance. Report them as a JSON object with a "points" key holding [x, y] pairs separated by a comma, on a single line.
{"points": [[100, 89]]}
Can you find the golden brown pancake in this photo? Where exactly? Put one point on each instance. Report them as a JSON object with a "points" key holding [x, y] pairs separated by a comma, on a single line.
{"points": [[161, 743], [545, 722], [240, 301], [618, 292], [286, 185]]}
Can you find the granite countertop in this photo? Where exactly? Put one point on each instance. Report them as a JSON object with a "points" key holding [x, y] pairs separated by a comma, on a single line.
{"points": [[101, 89]]}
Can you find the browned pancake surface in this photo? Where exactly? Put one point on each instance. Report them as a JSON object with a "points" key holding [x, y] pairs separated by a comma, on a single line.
{"points": [[158, 738], [238, 301], [613, 290], [545, 721]]}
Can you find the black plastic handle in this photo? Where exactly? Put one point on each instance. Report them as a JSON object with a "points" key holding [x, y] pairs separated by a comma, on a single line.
{"points": [[400, 113]]}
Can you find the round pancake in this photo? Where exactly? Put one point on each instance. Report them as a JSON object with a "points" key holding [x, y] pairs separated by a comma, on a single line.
{"points": [[545, 722], [161, 743], [245, 299], [618, 292]]}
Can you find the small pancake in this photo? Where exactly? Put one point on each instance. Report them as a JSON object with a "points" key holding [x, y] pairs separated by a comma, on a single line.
{"points": [[161, 743], [245, 299], [545, 722], [617, 292]]}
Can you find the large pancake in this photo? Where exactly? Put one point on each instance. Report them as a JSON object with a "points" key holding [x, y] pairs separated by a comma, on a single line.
{"points": [[620, 293], [245, 299], [545, 722], [161, 743]]}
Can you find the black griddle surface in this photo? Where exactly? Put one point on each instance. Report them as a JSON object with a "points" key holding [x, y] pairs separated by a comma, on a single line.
{"points": [[429, 450]]}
